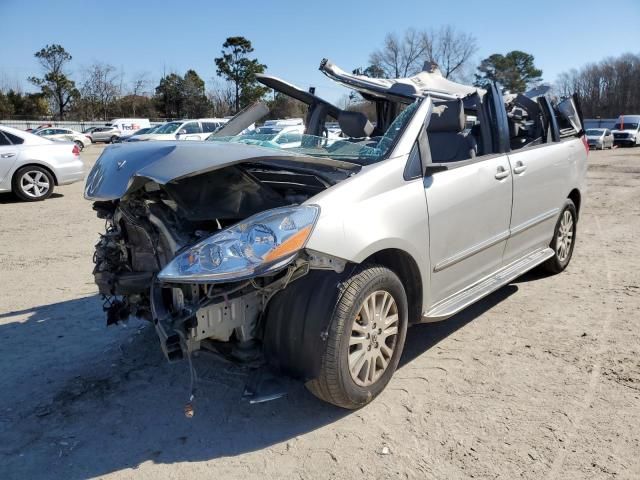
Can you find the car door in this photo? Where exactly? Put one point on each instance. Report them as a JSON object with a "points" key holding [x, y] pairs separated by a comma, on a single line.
{"points": [[189, 131], [469, 206], [9, 154], [62, 134], [47, 133], [539, 183]]}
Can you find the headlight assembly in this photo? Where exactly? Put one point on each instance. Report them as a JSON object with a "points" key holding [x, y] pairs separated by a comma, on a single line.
{"points": [[259, 245]]}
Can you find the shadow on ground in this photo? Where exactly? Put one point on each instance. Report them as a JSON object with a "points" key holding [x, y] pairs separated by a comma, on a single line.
{"points": [[83, 401], [6, 198]]}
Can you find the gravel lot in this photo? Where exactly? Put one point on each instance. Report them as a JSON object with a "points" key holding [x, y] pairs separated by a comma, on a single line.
{"points": [[540, 380]]}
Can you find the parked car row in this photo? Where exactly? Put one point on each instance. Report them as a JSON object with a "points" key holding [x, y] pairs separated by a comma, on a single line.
{"points": [[64, 134], [198, 129]]}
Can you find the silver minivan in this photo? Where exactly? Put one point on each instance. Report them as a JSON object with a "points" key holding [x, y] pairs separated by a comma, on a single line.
{"points": [[313, 261]]}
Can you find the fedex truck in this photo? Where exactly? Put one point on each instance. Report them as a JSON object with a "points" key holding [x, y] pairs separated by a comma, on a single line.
{"points": [[129, 125]]}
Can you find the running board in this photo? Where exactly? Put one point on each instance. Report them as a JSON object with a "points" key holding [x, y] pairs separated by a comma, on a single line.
{"points": [[458, 301]]}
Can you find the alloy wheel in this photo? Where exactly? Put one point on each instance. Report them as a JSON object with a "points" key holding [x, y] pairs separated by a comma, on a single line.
{"points": [[35, 184], [373, 338], [565, 236]]}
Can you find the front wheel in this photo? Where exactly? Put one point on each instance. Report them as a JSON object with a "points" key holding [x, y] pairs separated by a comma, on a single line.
{"points": [[114, 139], [366, 339], [79, 144], [564, 239]]}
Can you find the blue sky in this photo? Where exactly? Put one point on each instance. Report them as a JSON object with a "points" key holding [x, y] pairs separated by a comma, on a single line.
{"points": [[291, 37]]}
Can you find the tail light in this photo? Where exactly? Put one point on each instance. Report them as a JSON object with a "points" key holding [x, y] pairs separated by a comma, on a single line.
{"points": [[585, 142], [76, 150]]}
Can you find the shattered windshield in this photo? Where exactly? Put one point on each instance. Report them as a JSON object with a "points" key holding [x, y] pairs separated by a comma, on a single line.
{"points": [[359, 150]]}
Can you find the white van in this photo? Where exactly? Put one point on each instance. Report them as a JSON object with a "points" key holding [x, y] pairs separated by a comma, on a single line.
{"points": [[626, 131], [129, 125], [198, 129]]}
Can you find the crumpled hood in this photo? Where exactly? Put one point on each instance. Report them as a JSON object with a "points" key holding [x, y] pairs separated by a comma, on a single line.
{"points": [[120, 165]]}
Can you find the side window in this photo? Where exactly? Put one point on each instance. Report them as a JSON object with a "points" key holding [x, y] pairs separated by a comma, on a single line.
{"points": [[527, 124], [209, 127], [191, 127], [4, 141], [14, 138], [454, 131], [413, 169]]}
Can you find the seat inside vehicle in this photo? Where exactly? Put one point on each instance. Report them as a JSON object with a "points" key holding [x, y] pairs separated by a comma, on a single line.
{"points": [[446, 131], [526, 123], [355, 124]]}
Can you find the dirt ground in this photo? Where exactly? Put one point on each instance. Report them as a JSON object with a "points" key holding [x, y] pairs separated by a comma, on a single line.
{"points": [[539, 380]]}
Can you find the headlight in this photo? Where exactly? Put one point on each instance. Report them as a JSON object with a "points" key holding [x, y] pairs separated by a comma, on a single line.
{"points": [[256, 246]]}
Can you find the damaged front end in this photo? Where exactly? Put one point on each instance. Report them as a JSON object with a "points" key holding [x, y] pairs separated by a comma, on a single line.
{"points": [[200, 236]]}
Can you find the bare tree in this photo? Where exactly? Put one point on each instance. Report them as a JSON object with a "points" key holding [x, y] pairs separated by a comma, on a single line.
{"points": [[222, 97], [450, 50], [404, 56], [608, 88], [100, 87], [400, 57], [140, 84]]}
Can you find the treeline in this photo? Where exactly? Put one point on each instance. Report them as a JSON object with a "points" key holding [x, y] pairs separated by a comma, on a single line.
{"points": [[606, 89], [100, 92]]}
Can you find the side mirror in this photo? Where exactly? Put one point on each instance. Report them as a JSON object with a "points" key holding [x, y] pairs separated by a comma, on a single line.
{"points": [[182, 132], [432, 168]]}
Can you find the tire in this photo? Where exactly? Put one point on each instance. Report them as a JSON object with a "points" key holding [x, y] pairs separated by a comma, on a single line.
{"points": [[32, 184], [335, 383], [114, 139], [79, 144], [562, 253]]}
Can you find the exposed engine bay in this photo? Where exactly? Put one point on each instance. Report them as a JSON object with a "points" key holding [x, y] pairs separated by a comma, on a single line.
{"points": [[147, 227]]}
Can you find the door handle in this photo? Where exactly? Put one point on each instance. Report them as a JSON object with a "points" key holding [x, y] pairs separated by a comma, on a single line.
{"points": [[519, 168], [501, 173], [7, 155]]}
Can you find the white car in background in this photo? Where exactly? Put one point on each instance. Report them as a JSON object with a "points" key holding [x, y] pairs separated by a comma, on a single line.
{"points": [[626, 132], [65, 135], [198, 129], [281, 136], [599, 138], [31, 165]]}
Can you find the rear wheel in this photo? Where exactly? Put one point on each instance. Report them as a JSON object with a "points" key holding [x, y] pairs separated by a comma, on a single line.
{"points": [[32, 184], [365, 339], [79, 144], [564, 239]]}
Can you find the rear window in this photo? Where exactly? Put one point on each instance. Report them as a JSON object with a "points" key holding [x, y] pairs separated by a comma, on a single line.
{"points": [[14, 139], [4, 140], [209, 127]]}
